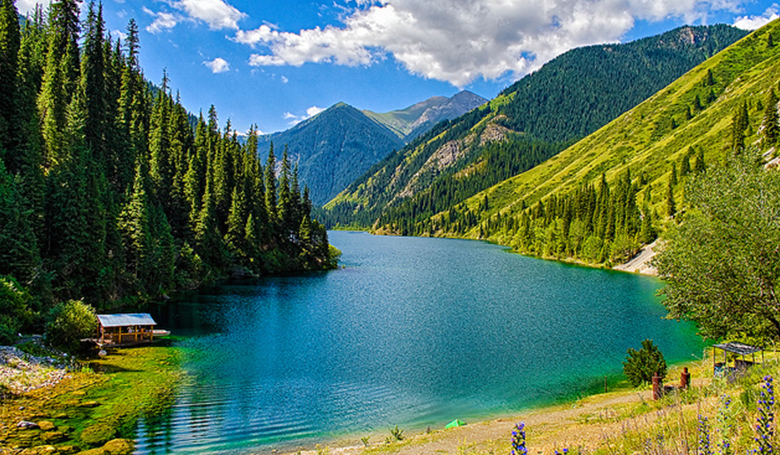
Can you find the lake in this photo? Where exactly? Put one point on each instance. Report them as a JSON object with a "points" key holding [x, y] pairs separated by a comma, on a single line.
{"points": [[413, 332]]}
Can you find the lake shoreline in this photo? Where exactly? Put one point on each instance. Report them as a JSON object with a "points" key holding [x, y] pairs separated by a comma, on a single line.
{"points": [[550, 427]]}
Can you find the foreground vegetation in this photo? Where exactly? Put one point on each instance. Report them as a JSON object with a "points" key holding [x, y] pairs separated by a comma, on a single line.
{"points": [[625, 421]]}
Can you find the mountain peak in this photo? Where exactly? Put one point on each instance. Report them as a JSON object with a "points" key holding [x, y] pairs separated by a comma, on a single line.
{"points": [[418, 118]]}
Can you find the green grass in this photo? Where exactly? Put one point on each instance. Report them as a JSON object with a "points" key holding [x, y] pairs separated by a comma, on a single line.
{"points": [[642, 141]]}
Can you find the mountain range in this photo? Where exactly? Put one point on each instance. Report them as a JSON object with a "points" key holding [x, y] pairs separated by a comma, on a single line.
{"points": [[337, 145], [531, 121]]}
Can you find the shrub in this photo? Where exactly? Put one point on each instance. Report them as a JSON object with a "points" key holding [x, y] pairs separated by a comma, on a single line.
{"points": [[68, 322], [15, 311], [640, 365]]}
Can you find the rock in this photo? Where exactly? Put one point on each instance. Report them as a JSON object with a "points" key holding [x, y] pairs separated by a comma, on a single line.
{"points": [[40, 450], [120, 447], [53, 436], [79, 393], [113, 447], [89, 404], [97, 434], [45, 425], [68, 449], [61, 415], [25, 425]]}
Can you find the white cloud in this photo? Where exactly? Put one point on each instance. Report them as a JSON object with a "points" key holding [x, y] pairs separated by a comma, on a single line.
{"points": [[756, 22], [218, 65], [162, 21], [216, 13], [284, 80], [296, 119], [28, 6], [461, 40]]}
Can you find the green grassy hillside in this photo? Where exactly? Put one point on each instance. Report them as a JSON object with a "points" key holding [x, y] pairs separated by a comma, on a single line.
{"points": [[689, 120], [534, 119]]}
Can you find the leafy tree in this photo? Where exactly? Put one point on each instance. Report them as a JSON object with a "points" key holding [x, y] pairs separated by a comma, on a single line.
{"points": [[640, 366], [69, 322], [720, 264]]}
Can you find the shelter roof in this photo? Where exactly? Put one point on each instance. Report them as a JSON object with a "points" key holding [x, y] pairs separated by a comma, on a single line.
{"points": [[738, 348], [124, 320]]}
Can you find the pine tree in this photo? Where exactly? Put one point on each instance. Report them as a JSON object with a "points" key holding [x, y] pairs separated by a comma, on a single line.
{"points": [[270, 187], [10, 41], [771, 125], [685, 163], [19, 255], [699, 165], [285, 202], [739, 123], [133, 224], [671, 207]]}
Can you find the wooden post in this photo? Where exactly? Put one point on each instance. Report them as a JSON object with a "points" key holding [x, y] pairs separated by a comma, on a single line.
{"points": [[658, 388], [685, 378]]}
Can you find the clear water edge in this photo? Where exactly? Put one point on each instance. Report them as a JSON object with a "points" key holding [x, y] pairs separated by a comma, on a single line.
{"points": [[439, 275]]}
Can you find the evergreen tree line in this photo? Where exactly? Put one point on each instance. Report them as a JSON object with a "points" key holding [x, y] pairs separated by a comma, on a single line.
{"points": [[106, 190], [497, 161]]}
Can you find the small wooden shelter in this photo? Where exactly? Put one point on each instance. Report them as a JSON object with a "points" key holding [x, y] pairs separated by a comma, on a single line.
{"points": [[125, 329], [739, 351]]}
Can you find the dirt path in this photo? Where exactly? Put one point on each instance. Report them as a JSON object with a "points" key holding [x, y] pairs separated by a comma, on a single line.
{"points": [[641, 262]]}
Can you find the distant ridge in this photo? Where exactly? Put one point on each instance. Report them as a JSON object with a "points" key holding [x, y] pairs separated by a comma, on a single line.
{"points": [[417, 119], [336, 146]]}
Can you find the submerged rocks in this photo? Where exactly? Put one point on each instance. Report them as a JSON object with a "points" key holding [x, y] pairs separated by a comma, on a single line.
{"points": [[113, 447]]}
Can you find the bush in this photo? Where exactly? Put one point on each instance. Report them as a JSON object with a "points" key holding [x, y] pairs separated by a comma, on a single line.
{"points": [[68, 323], [15, 310], [641, 365]]}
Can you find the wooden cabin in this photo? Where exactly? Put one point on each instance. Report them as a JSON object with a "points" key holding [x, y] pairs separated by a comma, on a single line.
{"points": [[125, 329]]}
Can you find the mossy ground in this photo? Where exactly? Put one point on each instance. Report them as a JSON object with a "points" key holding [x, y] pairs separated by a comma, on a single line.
{"points": [[100, 403]]}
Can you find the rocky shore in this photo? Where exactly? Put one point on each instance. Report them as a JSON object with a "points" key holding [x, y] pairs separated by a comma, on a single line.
{"points": [[21, 372]]}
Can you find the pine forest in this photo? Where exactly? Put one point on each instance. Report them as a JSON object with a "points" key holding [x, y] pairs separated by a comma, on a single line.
{"points": [[111, 192]]}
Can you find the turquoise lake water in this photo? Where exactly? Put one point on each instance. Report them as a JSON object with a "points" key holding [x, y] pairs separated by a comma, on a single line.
{"points": [[414, 332]]}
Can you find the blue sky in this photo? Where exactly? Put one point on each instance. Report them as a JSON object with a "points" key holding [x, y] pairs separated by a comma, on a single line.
{"points": [[274, 63]]}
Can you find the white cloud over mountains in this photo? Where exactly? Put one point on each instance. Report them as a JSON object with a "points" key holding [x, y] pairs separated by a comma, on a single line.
{"points": [[461, 40], [755, 22], [296, 119]]}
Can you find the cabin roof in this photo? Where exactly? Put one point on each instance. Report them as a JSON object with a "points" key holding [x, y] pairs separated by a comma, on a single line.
{"points": [[126, 319], [738, 348]]}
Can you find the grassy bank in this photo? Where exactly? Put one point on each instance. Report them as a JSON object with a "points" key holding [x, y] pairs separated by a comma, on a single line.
{"points": [[623, 421], [100, 402]]}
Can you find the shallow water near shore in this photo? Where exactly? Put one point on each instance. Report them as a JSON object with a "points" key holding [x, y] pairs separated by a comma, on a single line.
{"points": [[414, 332]]}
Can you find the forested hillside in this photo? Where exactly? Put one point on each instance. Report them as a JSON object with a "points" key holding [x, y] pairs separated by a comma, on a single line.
{"points": [[108, 194], [334, 147], [601, 198], [531, 121]]}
